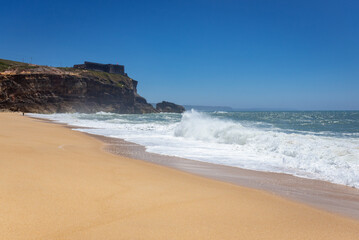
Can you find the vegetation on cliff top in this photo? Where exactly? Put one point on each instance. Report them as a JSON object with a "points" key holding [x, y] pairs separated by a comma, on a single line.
{"points": [[103, 77], [45, 89], [9, 65]]}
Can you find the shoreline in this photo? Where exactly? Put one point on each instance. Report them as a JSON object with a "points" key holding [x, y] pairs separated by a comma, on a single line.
{"points": [[56, 183], [327, 196], [331, 197]]}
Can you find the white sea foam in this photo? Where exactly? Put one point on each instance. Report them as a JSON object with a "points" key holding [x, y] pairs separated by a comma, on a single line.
{"points": [[201, 137]]}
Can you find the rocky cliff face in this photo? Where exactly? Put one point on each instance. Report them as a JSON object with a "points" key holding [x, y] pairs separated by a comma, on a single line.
{"points": [[41, 89]]}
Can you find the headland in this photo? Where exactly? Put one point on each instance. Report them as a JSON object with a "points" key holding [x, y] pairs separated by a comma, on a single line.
{"points": [[86, 88]]}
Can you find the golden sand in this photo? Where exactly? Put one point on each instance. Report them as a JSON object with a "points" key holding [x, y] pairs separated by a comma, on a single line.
{"points": [[56, 183]]}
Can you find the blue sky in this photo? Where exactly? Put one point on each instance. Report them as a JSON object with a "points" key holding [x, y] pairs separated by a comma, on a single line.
{"points": [[245, 54]]}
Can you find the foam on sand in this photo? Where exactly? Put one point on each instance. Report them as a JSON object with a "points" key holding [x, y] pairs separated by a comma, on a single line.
{"points": [[220, 138], [80, 192]]}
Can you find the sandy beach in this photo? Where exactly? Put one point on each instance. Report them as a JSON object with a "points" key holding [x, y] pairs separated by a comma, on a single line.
{"points": [[56, 183], [335, 198]]}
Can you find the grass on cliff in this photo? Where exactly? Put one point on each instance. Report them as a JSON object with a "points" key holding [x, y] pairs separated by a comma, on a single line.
{"points": [[8, 64], [13, 65], [103, 77], [109, 78]]}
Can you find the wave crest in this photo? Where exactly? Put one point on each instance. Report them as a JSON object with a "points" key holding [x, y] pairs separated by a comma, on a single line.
{"points": [[200, 126], [330, 158]]}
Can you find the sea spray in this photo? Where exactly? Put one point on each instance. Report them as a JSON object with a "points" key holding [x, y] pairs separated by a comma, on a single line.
{"points": [[200, 126], [320, 145]]}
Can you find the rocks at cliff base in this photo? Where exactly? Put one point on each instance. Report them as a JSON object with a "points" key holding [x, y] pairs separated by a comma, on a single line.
{"points": [[169, 107], [84, 88]]}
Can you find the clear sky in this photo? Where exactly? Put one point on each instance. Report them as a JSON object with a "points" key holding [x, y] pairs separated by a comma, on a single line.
{"points": [[246, 54]]}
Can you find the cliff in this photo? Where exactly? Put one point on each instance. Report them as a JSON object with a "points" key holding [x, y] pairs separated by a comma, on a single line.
{"points": [[42, 89]]}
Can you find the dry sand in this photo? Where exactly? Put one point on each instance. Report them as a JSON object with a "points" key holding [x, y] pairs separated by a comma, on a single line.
{"points": [[59, 184], [328, 196]]}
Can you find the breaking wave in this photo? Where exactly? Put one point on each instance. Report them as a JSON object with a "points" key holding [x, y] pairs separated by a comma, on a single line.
{"points": [[256, 142]]}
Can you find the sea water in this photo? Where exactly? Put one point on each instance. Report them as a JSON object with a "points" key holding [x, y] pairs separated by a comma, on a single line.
{"points": [[318, 145]]}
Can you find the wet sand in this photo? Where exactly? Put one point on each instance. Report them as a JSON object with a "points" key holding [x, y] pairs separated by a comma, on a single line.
{"points": [[327, 196], [60, 184]]}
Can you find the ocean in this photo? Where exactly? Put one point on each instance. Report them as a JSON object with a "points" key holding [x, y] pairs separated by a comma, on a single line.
{"points": [[317, 145]]}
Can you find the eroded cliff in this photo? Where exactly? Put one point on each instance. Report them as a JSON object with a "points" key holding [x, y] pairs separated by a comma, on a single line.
{"points": [[43, 89]]}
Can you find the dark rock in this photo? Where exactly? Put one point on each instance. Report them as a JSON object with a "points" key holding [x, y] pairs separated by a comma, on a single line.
{"points": [[169, 107], [55, 90]]}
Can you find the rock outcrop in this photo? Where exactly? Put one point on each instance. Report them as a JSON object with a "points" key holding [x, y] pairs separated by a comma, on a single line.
{"points": [[42, 89], [169, 107]]}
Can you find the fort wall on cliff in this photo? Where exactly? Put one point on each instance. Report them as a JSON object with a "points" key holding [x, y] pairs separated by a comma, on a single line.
{"points": [[109, 68]]}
